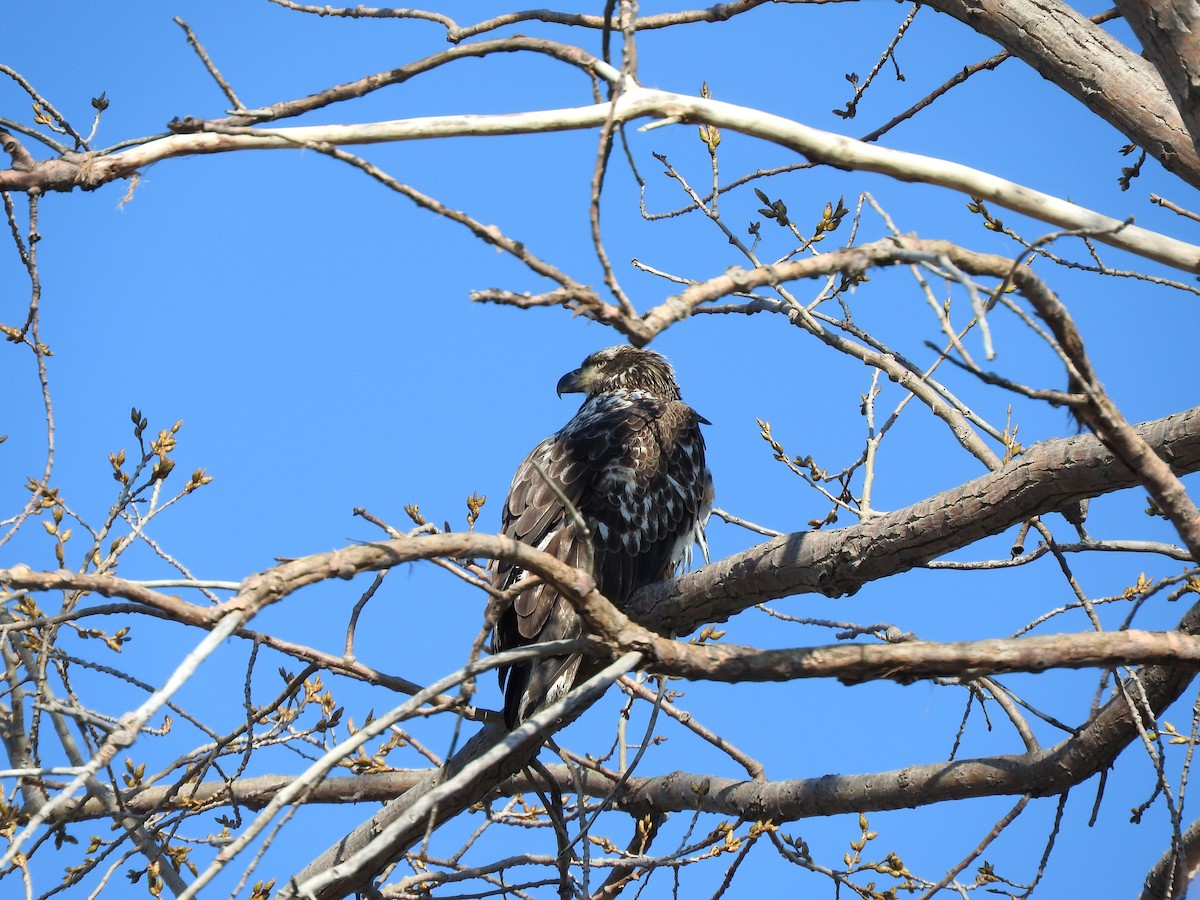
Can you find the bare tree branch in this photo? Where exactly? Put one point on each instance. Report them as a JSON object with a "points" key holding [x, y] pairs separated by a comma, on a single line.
{"points": [[1167, 30], [833, 563], [1093, 67], [91, 170], [838, 563], [490, 756], [456, 33]]}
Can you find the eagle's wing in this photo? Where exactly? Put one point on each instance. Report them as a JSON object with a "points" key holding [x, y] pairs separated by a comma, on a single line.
{"points": [[633, 468], [535, 514]]}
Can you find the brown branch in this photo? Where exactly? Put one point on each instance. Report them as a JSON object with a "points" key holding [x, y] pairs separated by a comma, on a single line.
{"points": [[573, 56], [901, 250], [255, 793], [837, 563], [176, 610], [22, 159], [1167, 30], [1092, 66], [1171, 870], [580, 299], [1099, 412], [600, 168], [29, 335], [903, 662], [833, 563], [1041, 476], [645, 830], [753, 767], [10, 125], [585, 297], [21, 576], [718, 13], [45, 105], [1091, 749], [1174, 207], [997, 830], [1110, 425], [1041, 772], [366, 12], [954, 81], [455, 33], [195, 44]]}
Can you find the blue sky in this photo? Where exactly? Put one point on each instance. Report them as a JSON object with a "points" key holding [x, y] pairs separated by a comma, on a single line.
{"points": [[314, 333]]}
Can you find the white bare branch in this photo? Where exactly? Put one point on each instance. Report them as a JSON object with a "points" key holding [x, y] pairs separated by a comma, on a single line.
{"points": [[633, 103]]}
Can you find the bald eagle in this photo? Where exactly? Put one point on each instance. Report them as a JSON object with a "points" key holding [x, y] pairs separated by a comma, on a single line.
{"points": [[631, 463]]}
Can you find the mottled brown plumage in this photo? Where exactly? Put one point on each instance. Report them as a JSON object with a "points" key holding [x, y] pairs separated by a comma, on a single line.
{"points": [[631, 462]]}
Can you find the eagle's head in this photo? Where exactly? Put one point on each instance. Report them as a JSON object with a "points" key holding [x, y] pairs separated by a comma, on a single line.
{"points": [[622, 368]]}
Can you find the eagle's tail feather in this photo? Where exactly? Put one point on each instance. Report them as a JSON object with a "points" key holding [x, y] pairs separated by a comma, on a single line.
{"points": [[535, 685]]}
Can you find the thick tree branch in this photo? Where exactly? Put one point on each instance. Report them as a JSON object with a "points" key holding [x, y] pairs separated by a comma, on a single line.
{"points": [[1092, 66], [834, 563], [837, 563], [1042, 478], [1091, 749], [911, 660], [1171, 870], [1168, 30], [852, 663], [1043, 772]]}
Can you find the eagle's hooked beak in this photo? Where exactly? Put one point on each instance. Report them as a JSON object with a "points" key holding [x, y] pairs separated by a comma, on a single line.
{"points": [[573, 383]]}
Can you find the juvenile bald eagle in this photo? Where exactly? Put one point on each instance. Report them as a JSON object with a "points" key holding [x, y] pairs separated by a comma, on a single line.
{"points": [[631, 462]]}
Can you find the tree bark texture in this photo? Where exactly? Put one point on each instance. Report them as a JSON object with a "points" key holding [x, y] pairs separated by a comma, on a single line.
{"points": [[837, 563], [1170, 34], [1092, 66]]}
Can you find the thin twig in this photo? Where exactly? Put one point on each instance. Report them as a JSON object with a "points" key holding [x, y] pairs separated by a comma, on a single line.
{"points": [[224, 85]]}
